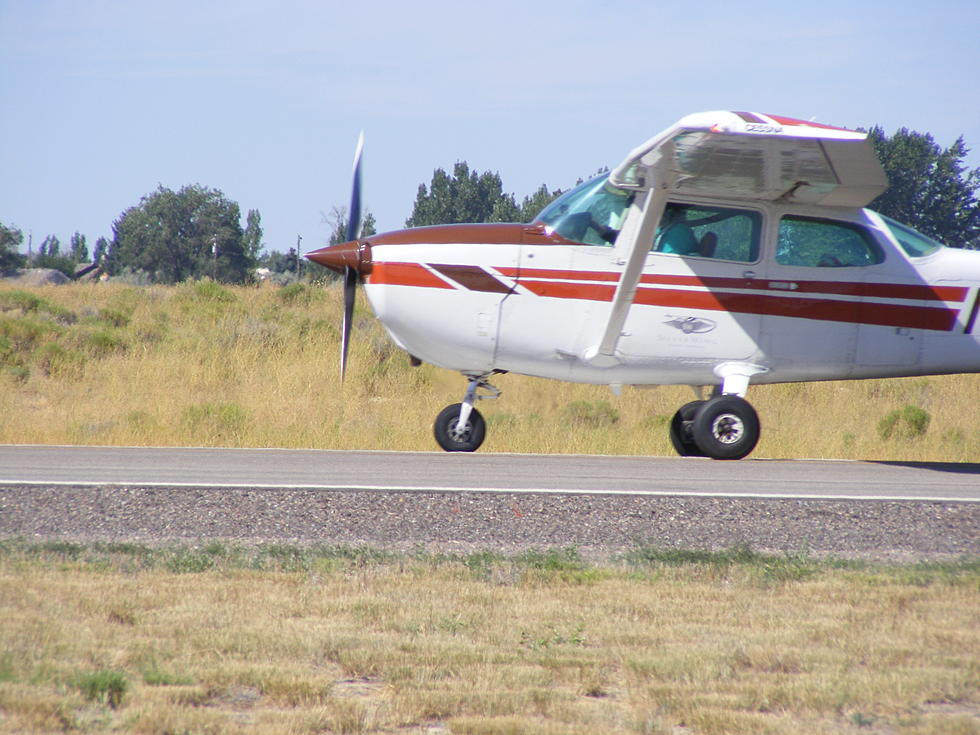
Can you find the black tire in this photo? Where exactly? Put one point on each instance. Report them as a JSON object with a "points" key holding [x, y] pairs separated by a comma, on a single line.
{"points": [[726, 427], [682, 430], [468, 440]]}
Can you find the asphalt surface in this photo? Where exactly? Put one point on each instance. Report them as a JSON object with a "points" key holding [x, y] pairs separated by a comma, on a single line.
{"points": [[468, 502], [396, 471]]}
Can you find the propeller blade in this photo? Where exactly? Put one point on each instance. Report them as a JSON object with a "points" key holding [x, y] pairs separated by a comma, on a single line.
{"points": [[354, 216], [350, 293]]}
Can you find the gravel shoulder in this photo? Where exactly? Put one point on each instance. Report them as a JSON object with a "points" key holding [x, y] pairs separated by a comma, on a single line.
{"points": [[503, 521]]}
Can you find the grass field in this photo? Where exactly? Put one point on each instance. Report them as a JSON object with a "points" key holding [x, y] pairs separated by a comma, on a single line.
{"points": [[206, 365], [278, 639]]}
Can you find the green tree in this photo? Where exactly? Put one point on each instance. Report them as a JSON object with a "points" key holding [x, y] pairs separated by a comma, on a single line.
{"points": [[466, 196], [534, 203], [338, 225], [172, 236], [929, 187], [51, 245], [49, 256], [78, 248], [100, 251], [10, 241], [252, 237]]}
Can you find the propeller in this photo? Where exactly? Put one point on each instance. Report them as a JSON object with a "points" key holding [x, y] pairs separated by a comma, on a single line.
{"points": [[351, 274]]}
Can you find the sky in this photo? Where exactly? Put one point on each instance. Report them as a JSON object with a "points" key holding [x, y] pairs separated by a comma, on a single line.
{"points": [[103, 101]]}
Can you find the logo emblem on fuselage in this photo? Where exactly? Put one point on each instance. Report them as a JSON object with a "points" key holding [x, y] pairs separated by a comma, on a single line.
{"points": [[690, 324]]}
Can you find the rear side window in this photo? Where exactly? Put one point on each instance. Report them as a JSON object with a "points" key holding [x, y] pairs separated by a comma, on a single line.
{"points": [[820, 243], [709, 232]]}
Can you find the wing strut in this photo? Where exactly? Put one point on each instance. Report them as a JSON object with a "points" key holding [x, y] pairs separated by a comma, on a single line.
{"points": [[603, 352]]}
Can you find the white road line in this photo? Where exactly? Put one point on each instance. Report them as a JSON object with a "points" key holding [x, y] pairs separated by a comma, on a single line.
{"points": [[497, 490]]}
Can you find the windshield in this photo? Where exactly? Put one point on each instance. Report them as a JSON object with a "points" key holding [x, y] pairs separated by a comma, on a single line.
{"points": [[913, 242], [592, 213]]}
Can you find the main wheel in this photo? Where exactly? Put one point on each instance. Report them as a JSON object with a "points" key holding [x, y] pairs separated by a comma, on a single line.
{"points": [[455, 438], [726, 427], [681, 430]]}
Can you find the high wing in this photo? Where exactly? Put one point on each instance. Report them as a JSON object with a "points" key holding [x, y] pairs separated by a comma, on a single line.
{"points": [[739, 156]]}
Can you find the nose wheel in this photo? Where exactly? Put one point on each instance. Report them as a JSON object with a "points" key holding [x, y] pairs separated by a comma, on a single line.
{"points": [[455, 435], [724, 427], [459, 427]]}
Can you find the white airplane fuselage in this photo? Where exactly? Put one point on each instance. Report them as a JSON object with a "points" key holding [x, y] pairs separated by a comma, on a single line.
{"points": [[534, 308], [732, 248]]}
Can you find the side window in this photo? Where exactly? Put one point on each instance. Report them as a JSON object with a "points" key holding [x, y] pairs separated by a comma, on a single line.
{"points": [[820, 243], [704, 231]]}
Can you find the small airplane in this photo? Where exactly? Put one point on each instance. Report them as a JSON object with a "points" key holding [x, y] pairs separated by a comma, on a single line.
{"points": [[732, 248]]}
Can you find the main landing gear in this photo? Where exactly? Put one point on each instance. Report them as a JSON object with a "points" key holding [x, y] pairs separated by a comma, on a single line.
{"points": [[722, 427], [460, 427]]}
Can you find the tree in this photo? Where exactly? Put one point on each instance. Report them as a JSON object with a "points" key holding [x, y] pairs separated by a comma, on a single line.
{"points": [[172, 236], [929, 187], [10, 241], [338, 223], [78, 248], [466, 196], [252, 237], [49, 256], [534, 203], [101, 249], [51, 245]]}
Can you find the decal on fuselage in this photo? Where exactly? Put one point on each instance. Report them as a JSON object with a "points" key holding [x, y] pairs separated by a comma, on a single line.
{"points": [[690, 324]]}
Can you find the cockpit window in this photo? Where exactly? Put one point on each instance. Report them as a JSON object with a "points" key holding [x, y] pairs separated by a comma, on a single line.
{"points": [[914, 243], [592, 213], [707, 231]]}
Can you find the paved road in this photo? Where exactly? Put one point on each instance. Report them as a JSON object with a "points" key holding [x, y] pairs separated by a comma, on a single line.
{"points": [[403, 471]]}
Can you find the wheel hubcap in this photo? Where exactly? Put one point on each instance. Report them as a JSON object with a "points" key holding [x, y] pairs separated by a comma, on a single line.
{"points": [[460, 433], [728, 428]]}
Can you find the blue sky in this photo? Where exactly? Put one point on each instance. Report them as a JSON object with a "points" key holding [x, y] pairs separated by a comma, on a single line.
{"points": [[102, 101]]}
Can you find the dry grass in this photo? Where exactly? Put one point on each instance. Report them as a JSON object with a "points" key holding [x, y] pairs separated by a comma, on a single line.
{"points": [[201, 364], [287, 640]]}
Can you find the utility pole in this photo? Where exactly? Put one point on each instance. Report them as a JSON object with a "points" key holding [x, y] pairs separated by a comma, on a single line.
{"points": [[299, 263]]}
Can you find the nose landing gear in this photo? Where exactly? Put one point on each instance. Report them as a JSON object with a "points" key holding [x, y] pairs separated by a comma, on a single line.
{"points": [[459, 427]]}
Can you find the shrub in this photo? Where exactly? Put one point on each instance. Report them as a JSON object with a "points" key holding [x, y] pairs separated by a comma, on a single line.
{"points": [[107, 687], [57, 362], [297, 293], [908, 422], [103, 342]]}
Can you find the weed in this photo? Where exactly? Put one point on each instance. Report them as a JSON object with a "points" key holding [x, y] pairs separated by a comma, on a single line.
{"points": [[220, 419], [104, 686], [154, 676], [58, 362], [190, 562], [862, 720], [30, 303], [298, 293], [115, 317], [102, 342], [908, 422], [205, 291], [597, 414]]}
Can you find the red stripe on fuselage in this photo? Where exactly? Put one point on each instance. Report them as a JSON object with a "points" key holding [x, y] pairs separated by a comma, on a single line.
{"points": [[888, 315], [405, 274], [601, 286]]}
